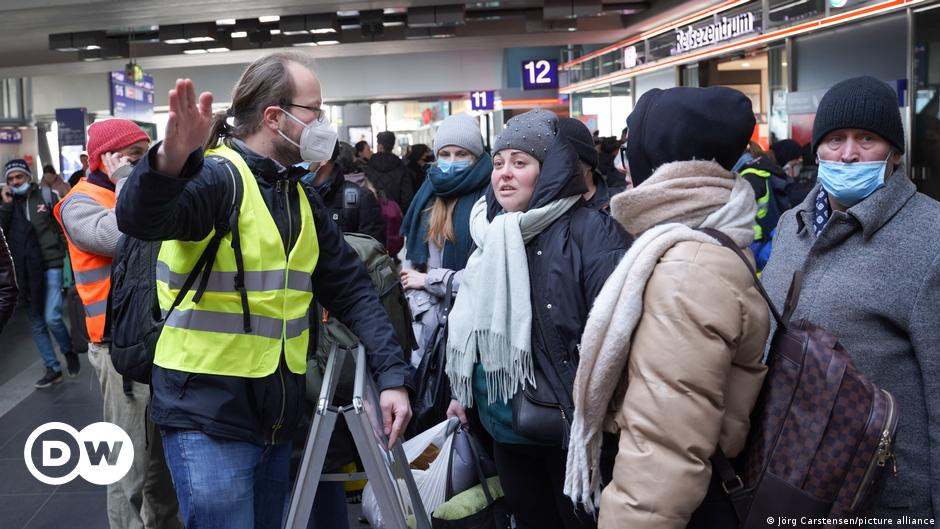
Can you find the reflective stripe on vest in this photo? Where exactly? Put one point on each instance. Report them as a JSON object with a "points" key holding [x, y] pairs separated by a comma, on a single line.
{"points": [[762, 202], [209, 337], [92, 271], [225, 281]]}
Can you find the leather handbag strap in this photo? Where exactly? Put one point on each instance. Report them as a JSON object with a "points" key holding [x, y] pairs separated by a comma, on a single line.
{"points": [[730, 244], [793, 295]]}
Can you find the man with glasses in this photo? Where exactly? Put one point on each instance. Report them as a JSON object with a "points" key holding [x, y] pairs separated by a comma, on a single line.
{"points": [[228, 374]]}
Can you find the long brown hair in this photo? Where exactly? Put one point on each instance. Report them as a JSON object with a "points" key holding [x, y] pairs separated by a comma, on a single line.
{"points": [[441, 221], [266, 82]]}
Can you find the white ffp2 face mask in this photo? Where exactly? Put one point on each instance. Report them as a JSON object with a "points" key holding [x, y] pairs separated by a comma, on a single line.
{"points": [[317, 140]]}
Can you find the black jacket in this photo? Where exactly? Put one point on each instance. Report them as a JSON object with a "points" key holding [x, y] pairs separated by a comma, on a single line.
{"points": [[390, 177], [568, 264], [154, 206], [8, 289], [31, 227], [353, 207]]}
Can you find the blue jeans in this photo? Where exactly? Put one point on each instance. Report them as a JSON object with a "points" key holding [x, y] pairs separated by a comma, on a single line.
{"points": [[226, 484], [45, 314]]}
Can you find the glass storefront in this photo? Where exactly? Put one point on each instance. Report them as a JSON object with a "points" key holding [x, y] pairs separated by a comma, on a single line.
{"points": [[925, 133]]}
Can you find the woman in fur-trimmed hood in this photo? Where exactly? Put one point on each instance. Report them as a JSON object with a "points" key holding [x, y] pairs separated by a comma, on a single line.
{"points": [[671, 352]]}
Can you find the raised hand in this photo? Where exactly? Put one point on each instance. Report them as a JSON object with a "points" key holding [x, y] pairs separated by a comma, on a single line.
{"points": [[187, 129]]}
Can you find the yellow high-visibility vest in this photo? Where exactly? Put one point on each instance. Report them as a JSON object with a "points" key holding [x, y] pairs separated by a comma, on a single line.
{"points": [[209, 337]]}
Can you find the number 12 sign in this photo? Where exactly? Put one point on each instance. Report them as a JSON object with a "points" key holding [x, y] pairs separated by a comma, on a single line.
{"points": [[482, 100], [539, 73]]}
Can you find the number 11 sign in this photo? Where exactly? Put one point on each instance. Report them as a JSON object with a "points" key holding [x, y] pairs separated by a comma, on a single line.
{"points": [[539, 73], [482, 100]]}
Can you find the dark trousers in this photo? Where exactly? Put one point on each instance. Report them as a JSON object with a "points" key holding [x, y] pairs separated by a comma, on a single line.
{"points": [[532, 478]]}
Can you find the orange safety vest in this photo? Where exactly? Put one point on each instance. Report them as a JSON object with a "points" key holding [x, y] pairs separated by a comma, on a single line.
{"points": [[92, 271]]}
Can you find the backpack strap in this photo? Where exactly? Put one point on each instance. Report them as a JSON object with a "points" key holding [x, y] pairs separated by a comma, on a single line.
{"points": [[726, 241], [203, 266]]}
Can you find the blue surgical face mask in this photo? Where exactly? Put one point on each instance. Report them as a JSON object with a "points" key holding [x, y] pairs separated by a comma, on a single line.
{"points": [[447, 166], [850, 183], [21, 189]]}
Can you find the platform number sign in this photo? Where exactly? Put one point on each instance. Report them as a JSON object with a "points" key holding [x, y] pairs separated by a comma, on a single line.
{"points": [[482, 100], [539, 73]]}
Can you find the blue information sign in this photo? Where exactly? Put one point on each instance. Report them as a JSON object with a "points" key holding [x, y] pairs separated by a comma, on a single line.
{"points": [[71, 125], [539, 73], [482, 100], [131, 99], [11, 135]]}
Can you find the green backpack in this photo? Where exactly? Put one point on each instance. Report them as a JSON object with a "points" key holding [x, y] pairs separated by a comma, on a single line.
{"points": [[330, 332]]}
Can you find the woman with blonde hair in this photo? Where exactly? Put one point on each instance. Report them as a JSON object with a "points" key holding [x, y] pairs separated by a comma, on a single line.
{"points": [[437, 224]]}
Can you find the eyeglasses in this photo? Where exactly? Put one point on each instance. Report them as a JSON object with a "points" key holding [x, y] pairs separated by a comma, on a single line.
{"points": [[317, 112], [623, 155]]}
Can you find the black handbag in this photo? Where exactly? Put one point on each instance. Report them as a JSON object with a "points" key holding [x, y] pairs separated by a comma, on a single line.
{"points": [[538, 416], [432, 388], [539, 413]]}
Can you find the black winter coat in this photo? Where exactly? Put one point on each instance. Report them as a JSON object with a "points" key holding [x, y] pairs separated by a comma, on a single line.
{"points": [[390, 177], [265, 410], [8, 289], [361, 216], [568, 265]]}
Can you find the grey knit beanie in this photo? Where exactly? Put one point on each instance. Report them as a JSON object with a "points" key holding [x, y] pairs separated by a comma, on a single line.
{"points": [[532, 132], [461, 130]]}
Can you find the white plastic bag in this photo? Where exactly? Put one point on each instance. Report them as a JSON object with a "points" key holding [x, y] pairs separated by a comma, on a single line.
{"points": [[431, 483]]}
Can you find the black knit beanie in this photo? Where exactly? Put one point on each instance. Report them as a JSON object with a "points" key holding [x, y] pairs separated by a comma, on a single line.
{"points": [[685, 123], [860, 103], [580, 138]]}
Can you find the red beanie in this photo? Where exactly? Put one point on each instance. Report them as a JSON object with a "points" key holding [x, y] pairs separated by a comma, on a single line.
{"points": [[111, 135]]}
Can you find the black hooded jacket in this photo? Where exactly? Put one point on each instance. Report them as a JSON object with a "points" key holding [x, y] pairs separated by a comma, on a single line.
{"points": [[352, 207], [568, 264], [390, 177], [266, 410]]}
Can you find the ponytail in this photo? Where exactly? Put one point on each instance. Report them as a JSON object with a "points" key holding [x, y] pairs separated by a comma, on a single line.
{"points": [[219, 129]]}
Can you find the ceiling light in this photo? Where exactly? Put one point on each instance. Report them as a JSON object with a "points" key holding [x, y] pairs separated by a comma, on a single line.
{"points": [[217, 50], [304, 43], [225, 22], [269, 18], [784, 64], [61, 42], [195, 51], [239, 34], [182, 33], [327, 42], [275, 32], [88, 40]]}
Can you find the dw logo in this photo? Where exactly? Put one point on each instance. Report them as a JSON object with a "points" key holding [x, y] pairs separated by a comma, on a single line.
{"points": [[56, 453]]}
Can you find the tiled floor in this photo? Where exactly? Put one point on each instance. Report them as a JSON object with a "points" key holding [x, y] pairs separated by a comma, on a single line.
{"points": [[26, 503]]}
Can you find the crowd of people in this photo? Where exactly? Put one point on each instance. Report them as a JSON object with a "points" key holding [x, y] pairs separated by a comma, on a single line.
{"points": [[568, 269]]}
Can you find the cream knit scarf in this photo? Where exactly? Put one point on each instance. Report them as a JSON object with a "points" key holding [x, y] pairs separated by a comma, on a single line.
{"points": [[491, 322], [663, 211]]}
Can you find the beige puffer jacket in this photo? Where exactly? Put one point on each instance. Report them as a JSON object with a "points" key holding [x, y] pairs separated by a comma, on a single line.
{"points": [[693, 377]]}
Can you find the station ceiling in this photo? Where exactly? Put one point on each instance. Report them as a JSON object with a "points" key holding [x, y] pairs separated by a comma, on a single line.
{"points": [[32, 31]]}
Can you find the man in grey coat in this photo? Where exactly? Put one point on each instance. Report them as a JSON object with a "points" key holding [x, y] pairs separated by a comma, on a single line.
{"points": [[867, 243]]}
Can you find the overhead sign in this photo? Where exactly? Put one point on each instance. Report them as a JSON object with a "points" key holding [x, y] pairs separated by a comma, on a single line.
{"points": [[539, 73], [11, 136], [724, 29], [482, 100], [131, 99], [71, 126]]}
